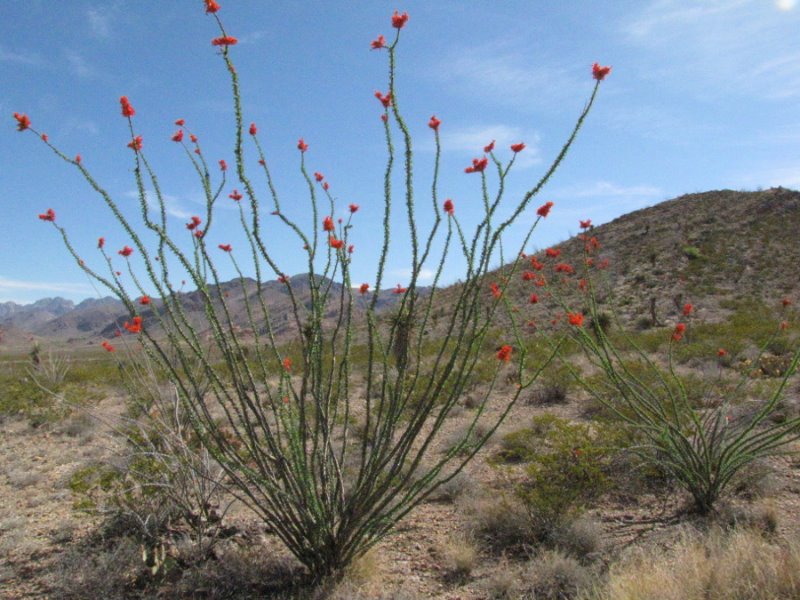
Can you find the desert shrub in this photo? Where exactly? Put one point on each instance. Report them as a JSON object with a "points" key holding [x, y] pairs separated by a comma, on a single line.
{"points": [[457, 557], [276, 420], [690, 436], [501, 523], [692, 253], [566, 470], [549, 576], [453, 489]]}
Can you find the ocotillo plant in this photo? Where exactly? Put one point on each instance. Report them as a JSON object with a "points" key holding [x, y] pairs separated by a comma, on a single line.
{"points": [[329, 452], [703, 448]]}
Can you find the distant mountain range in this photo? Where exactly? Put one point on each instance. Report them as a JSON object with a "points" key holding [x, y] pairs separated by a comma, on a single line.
{"points": [[60, 320], [705, 248]]}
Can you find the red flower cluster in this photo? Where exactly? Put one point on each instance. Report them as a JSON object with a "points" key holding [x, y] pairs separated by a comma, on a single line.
{"points": [[575, 319], [224, 41], [194, 223], [495, 289], [225, 247], [398, 20], [135, 144], [287, 364], [135, 326], [178, 137], [586, 224], [489, 147], [180, 122], [534, 299], [786, 302], [353, 208], [515, 148], [126, 251], [687, 309], [127, 109], [478, 165], [223, 166], [536, 264], [235, 195], [334, 243], [108, 347], [385, 100], [399, 289], [301, 145], [253, 129], [552, 253], [449, 208], [101, 242], [544, 209], [599, 72], [378, 43], [49, 215], [504, 353], [722, 352], [144, 300], [564, 268], [319, 176], [23, 122], [211, 6], [363, 288], [327, 224], [677, 333], [434, 123]]}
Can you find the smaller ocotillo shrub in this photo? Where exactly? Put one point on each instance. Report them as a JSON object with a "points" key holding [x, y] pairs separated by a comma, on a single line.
{"points": [[701, 447]]}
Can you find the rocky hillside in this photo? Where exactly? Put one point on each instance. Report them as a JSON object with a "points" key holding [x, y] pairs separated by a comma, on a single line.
{"points": [[713, 249]]}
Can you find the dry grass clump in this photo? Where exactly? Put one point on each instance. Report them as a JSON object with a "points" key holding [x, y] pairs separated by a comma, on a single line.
{"points": [[458, 557], [502, 523], [550, 576], [740, 565]]}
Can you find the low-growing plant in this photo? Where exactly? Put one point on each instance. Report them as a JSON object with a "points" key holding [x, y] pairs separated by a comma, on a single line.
{"points": [[566, 469]]}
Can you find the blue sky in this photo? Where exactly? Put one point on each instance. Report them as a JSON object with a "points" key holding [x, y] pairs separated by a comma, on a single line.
{"points": [[703, 95]]}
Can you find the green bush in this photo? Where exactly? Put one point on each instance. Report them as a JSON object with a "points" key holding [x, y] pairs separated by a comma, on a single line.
{"points": [[567, 466]]}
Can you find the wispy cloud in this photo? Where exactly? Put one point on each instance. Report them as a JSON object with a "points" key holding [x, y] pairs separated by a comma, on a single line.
{"points": [[75, 125], [252, 37], [786, 175], [509, 76], [607, 189], [733, 46], [31, 59], [99, 22], [172, 205], [17, 286], [78, 65], [405, 274], [471, 140]]}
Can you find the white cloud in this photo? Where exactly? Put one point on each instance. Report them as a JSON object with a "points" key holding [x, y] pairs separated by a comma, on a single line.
{"points": [[507, 75], [99, 22], [742, 47], [78, 64], [405, 274], [21, 59], [787, 175], [76, 125], [471, 140], [608, 189], [172, 205], [785, 5], [15, 286]]}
